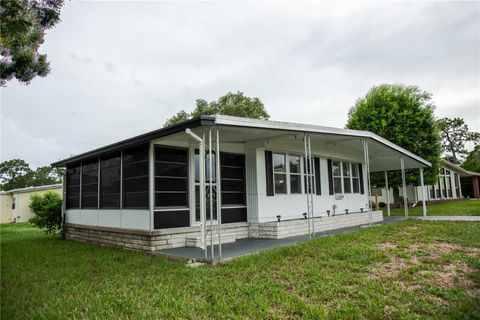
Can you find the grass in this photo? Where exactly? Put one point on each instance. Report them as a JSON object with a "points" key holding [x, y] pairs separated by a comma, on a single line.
{"points": [[451, 208], [411, 269]]}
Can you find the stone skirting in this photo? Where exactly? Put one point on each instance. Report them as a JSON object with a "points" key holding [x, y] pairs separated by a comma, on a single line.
{"points": [[145, 240], [291, 228]]}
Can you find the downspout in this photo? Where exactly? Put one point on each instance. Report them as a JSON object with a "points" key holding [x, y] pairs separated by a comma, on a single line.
{"points": [[64, 204], [202, 186]]}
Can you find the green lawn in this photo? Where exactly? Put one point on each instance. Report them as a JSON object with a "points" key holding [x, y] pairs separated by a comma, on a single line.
{"points": [[411, 269], [452, 208]]}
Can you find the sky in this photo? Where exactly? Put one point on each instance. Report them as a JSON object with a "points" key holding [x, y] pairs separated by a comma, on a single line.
{"points": [[119, 69]]}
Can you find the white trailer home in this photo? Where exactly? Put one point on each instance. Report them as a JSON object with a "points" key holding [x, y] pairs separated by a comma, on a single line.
{"points": [[447, 187], [217, 179]]}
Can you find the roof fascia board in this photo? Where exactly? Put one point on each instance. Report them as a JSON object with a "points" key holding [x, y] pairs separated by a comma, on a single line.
{"points": [[137, 140], [275, 125]]}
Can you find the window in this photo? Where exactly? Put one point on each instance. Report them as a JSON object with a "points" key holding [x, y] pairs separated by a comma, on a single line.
{"points": [[295, 174], [346, 177], [280, 173], [355, 178], [135, 178], [171, 177], [110, 181], [90, 184], [347, 180], [457, 184], [13, 204], [73, 187], [432, 192], [337, 177]]}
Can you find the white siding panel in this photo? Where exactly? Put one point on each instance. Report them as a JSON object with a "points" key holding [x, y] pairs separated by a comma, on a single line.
{"points": [[110, 218], [136, 219], [72, 216], [89, 217]]}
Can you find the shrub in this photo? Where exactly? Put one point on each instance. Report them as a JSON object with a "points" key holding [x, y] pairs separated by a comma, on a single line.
{"points": [[48, 211]]}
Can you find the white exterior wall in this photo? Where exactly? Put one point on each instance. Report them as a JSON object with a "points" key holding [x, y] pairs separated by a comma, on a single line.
{"points": [[128, 219], [292, 206]]}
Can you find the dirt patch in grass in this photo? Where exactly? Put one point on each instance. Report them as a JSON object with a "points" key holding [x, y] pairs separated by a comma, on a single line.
{"points": [[438, 273]]}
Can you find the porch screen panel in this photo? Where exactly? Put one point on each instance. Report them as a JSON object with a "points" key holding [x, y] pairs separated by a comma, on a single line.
{"points": [[360, 172], [269, 172], [90, 184], [171, 177], [73, 187], [232, 172], [110, 181], [330, 177], [232, 175], [316, 168], [135, 178]]}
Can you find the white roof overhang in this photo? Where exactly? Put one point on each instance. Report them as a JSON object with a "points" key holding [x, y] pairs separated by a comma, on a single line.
{"points": [[383, 154]]}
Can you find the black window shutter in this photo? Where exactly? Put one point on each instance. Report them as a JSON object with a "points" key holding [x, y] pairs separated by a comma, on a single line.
{"points": [[360, 172], [269, 172], [316, 165], [330, 177]]}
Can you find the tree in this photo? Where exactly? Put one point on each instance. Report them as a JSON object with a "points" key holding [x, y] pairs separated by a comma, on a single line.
{"points": [[472, 162], [403, 115], [46, 175], [455, 134], [15, 173], [22, 27], [231, 104], [48, 211]]}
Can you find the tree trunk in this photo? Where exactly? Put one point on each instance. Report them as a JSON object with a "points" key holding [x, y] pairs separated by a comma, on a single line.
{"points": [[396, 196]]}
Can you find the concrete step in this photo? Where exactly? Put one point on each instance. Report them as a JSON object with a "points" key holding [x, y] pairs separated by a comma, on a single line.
{"points": [[196, 241]]}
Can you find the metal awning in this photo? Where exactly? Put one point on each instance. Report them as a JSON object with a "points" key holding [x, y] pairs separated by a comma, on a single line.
{"points": [[383, 154]]}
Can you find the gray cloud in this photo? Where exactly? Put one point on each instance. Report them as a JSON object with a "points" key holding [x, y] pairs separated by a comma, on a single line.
{"points": [[308, 62]]}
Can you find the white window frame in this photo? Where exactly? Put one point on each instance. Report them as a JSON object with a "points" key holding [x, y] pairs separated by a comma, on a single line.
{"points": [[299, 173], [287, 173]]}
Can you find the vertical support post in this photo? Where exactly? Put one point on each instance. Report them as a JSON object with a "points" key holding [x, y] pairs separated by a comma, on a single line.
{"points": [[367, 171], [151, 184], [312, 184], [404, 186], [424, 205], [202, 195], [210, 191], [219, 195], [307, 185], [388, 193]]}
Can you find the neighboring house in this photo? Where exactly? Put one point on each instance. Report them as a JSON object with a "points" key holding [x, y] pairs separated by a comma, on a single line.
{"points": [[448, 187], [155, 191], [14, 203]]}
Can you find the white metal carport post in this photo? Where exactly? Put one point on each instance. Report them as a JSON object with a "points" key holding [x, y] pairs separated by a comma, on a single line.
{"points": [[367, 171], [404, 187], [201, 158], [388, 193], [424, 206]]}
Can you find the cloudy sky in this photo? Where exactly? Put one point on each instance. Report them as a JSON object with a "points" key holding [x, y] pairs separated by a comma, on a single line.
{"points": [[121, 68]]}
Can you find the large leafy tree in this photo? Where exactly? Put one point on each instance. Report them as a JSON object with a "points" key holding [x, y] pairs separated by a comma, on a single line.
{"points": [[455, 134], [231, 104], [22, 27], [16, 173], [405, 116], [472, 162]]}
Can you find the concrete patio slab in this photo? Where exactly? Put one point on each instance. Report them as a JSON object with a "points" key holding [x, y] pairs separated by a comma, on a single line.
{"points": [[450, 218], [244, 247]]}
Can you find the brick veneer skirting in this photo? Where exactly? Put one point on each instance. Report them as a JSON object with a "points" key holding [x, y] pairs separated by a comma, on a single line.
{"points": [[145, 240], [290, 228]]}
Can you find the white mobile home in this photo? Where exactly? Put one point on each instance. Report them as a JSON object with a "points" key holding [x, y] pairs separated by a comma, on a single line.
{"points": [[448, 186], [267, 179]]}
